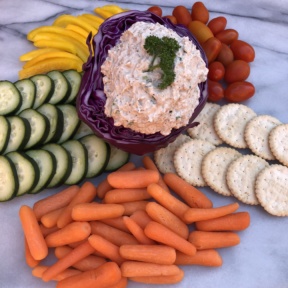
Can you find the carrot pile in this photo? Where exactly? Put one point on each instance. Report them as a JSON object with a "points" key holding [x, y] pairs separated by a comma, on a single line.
{"points": [[138, 226]]}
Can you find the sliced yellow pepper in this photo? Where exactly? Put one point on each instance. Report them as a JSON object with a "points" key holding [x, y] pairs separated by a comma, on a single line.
{"points": [[103, 13], [114, 9], [93, 17], [61, 45], [90, 21], [77, 29], [35, 53]]}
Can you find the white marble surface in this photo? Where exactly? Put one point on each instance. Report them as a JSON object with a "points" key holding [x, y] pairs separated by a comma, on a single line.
{"points": [[261, 260]]}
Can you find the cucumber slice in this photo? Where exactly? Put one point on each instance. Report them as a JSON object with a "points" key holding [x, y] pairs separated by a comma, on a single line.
{"points": [[74, 78], [9, 181], [27, 91], [71, 121], [98, 155], [39, 125], [44, 89], [5, 129], [62, 88], [79, 156], [10, 98], [27, 171], [47, 166], [63, 164], [82, 131], [117, 159], [55, 118], [19, 134]]}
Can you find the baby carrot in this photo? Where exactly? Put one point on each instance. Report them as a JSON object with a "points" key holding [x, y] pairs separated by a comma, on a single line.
{"points": [[30, 261], [121, 284], [34, 237], [132, 179], [73, 232], [199, 214], [137, 231], [192, 196], [78, 253], [54, 201], [50, 219], [231, 222], [126, 195], [86, 193], [163, 216], [170, 279], [116, 222], [112, 234], [140, 269], [107, 248], [104, 186], [158, 254], [167, 200], [39, 270], [141, 218], [207, 257], [212, 240], [131, 207], [105, 275], [164, 235], [96, 211]]}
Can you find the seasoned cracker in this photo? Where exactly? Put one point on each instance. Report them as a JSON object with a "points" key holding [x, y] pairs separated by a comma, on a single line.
{"points": [[241, 177], [214, 167], [164, 157], [230, 122], [188, 160], [256, 135], [205, 130], [278, 142], [272, 189]]}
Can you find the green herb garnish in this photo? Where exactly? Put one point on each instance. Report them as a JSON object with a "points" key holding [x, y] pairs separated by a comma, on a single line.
{"points": [[165, 48]]}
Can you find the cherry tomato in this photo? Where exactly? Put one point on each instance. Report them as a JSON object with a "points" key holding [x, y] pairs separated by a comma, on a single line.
{"points": [[200, 12], [239, 91], [227, 36], [238, 70], [216, 71], [182, 15], [171, 18], [225, 55], [200, 31], [215, 91], [242, 50], [217, 24], [156, 10], [211, 48]]}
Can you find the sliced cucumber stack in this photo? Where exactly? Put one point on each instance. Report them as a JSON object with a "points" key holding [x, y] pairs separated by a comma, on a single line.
{"points": [[83, 130], [10, 98], [74, 79], [4, 133], [117, 159]]}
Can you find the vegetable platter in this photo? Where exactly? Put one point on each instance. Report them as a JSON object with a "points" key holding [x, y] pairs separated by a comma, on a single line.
{"points": [[261, 258]]}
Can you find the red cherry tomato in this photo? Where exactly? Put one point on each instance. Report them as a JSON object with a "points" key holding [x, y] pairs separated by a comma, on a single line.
{"points": [[242, 50], [225, 55], [156, 10], [216, 71], [171, 18], [200, 12], [217, 24], [227, 36], [211, 48], [239, 91], [215, 91], [238, 70], [182, 14]]}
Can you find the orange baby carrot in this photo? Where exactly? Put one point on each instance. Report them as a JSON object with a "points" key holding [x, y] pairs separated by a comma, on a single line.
{"points": [[164, 235], [192, 196], [141, 218], [78, 253], [104, 186], [167, 200], [137, 231], [86, 193], [54, 201], [30, 261], [116, 222], [163, 216], [46, 231], [107, 248], [73, 232], [132, 179], [140, 269], [112, 234], [126, 195], [39, 270], [50, 219], [170, 279], [199, 214], [121, 284], [35, 240], [212, 240], [207, 257], [131, 207], [236, 221], [159, 254], [96, 211], [105, 275]]}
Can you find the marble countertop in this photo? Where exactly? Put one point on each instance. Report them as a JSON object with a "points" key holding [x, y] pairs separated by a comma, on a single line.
{"points": [[261, 259]]}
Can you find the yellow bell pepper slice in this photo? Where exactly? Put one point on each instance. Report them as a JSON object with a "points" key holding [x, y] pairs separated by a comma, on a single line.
{"points": [[93, 17], [114, 9], [35, 53], [77, 29], [61, 45], [89, 21], [103, 13]]}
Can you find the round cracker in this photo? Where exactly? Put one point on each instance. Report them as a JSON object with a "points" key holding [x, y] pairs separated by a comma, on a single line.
{"points": [[241, 177], [272, 189], [230, 122], [164, 157], [278, 142], [188, 160], [256, 135], [214, 168], [205, 130]]}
